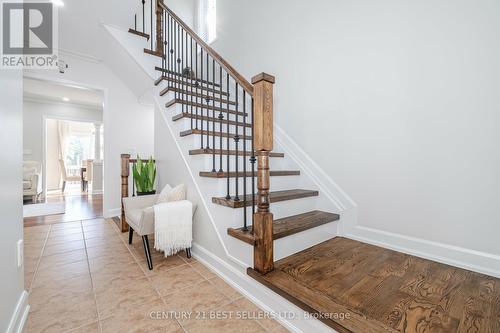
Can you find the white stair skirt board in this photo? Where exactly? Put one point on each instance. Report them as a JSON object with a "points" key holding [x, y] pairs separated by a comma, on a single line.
{"points": [[43, 209]]}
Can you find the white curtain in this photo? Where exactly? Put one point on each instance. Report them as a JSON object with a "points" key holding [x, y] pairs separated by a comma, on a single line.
{"points": [[62, 135]]}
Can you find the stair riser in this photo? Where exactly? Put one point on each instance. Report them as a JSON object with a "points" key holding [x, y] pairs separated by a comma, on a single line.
{"points": [[185, 124]]}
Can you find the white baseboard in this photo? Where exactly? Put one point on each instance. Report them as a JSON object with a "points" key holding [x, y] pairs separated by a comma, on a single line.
{"points": [[477, 261], [260, 295], [18, 319], [112, 213]]}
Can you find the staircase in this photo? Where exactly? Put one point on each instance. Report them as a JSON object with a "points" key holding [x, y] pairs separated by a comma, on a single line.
{"points": [[230, 121]]}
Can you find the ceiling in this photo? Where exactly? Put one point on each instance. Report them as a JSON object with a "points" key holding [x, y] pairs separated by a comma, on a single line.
{"points": [[52, 91], [80, 29]]}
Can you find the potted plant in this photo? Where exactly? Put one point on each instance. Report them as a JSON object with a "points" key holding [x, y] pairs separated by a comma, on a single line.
{"points": [[144, 176]]}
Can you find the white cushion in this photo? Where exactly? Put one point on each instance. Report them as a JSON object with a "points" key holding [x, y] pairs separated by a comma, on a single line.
{"points": [[178, 193], [28, 172], [169, 194], [26, 184], [162, 197]]}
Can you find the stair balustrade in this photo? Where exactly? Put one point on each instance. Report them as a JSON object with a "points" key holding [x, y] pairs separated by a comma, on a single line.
{"points": [[233, 117]]}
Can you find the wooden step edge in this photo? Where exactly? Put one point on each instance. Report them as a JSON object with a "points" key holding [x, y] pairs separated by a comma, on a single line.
{"points": [[244, 236], [276, 196], [188, 84], [288, 226], [275, 173], [210, 119], [201, 106], [261, 278], [164, 70], [196, 95], [211, 133], [231, 152], [158, 80], [154, 53], [138, 33]]}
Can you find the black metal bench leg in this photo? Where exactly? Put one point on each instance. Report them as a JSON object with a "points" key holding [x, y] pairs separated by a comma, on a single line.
{"points": [[145, 241], [188, 252], [130, 234]]}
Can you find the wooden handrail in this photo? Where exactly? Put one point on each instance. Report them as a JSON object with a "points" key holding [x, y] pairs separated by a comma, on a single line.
{"points": [[247, 86]]}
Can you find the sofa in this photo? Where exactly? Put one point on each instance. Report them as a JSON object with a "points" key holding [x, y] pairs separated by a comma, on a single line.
{"points": [[32, 180]]}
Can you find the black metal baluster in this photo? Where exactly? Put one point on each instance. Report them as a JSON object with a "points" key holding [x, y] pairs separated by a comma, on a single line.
{"points": [[177, 52], [171, 48], [253, 160], [221, 118], [144, 16], [213, 115], [236, 142], [208, 104], [245, 228], [183, 80], [191, 76], [228, 196], [135, 22], [201, 102], [196, 85]]}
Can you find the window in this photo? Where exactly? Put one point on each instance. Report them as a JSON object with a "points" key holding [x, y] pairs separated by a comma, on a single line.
{"points": [[207, 20]]}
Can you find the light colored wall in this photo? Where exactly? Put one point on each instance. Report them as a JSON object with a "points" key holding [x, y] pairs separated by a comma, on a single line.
{"points": [[33, 121], [128, 125], [185, 9], [396, 100], [11, 277], [52, 172]]}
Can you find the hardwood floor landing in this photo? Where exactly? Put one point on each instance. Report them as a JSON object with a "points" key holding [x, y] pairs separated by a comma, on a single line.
{"points": [[357, 287]]}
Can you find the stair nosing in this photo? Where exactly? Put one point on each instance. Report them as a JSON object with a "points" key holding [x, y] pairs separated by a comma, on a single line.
{"points": [[232, 174], [182, 115], [232, 152], [206, 107], [247, 236], [240, 204]]}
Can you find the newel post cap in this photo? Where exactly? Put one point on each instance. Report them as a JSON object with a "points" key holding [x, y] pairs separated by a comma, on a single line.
{"points": [[263, 77]]}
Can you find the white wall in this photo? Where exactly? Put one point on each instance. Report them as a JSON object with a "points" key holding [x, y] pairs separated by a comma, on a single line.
{"points": [[396, 100], [185, 9], [128, 125], [11, 277]]}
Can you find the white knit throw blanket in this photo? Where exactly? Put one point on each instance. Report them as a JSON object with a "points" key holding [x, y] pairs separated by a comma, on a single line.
{"points": [[173, 226]]}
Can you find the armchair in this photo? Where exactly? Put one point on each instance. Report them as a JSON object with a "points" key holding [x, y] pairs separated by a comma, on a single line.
{"points": [[140, 216], [32, 180]]}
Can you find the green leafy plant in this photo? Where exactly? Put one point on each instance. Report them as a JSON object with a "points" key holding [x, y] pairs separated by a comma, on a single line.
{"points": [[144, 175]]}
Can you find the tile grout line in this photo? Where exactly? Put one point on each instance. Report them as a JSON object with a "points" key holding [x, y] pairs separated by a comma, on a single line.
{"points": [[91, 279], [39, 259], [118, 232]]}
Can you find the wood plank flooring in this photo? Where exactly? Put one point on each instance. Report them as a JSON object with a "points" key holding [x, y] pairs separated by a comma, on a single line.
{"points": [[78, 207], [357, 287]]}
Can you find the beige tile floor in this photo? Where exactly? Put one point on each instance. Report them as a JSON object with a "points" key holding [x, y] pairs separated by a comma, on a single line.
{"points": [[83, 277]]}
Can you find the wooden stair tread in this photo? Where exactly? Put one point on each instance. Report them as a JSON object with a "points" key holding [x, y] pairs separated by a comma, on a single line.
{"points": [[204, 106], [138, 33], [175, 73], [183, 83], [205, 118], [288, 225], [154, 53], [225, 152], [197, 95], [232, 174], [275, 196], [211, 133]]}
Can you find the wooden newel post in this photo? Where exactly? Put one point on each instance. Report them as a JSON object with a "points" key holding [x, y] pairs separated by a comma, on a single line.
{"points": [[159, 30], [125, 166], [263, 143]]}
